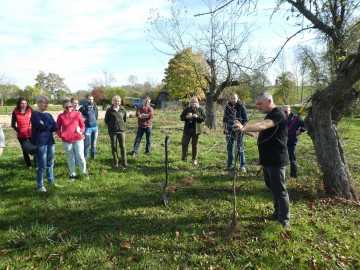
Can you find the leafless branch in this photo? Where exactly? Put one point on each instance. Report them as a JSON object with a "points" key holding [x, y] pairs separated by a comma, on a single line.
{"points": [[214, 11]]}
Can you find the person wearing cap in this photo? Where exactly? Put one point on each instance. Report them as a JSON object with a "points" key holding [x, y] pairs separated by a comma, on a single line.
{"points": [[295, 128]]}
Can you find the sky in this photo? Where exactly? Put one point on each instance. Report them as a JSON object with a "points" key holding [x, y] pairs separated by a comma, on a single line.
{"points": [[79, 40]]}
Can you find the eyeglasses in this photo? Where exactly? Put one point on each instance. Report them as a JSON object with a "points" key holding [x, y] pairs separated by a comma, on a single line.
{"points": [[67, 107]]}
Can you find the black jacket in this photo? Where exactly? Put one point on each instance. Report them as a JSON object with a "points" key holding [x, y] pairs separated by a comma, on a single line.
{"points": [[198, 121], [115, 120], [234, 112]]}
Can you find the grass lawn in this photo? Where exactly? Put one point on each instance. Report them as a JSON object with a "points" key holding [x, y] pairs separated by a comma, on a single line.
{"points": [[117, 219]]}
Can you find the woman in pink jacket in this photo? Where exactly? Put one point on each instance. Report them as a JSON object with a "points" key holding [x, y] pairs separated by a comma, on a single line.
{"points": [[20, 122], [71, 131]]}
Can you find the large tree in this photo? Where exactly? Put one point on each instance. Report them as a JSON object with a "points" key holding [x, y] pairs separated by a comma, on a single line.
{"points": [[285, 88], [52, 84], [104, 82], [334, 22], [185, 75], [220, 36]]}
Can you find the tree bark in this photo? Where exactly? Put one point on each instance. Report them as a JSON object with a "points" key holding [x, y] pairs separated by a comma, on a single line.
{"points": [[210, 112], [330, 153], [328, 107]]}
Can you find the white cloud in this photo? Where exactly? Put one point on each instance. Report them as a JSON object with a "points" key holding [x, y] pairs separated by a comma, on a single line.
{"points": [[76, 39]]}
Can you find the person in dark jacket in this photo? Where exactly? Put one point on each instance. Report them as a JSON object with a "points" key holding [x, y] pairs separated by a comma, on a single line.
{"points": [[20, 122], [295, 128], [234, 110], [42, 127], [193, 116], [115, 119], [90, 114], [273, 155]]}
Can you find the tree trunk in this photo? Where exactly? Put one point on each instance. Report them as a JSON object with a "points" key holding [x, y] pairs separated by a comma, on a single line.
{"points": [[210, 112], [329, 151]]}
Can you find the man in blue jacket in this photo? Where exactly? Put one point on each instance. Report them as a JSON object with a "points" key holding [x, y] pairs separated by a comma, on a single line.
{"points": [[90, 114], [234, 110], [295, 128]]}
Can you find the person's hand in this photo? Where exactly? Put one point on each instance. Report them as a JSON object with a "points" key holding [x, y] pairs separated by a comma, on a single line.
{"points": [[41, 122], [195, 115], [237, 126], [189, 116]]}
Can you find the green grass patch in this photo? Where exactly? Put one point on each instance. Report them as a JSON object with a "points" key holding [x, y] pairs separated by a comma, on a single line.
{"points": [[117, 220]]}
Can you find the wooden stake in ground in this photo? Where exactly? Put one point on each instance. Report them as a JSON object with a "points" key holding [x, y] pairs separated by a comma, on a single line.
{"points": [[164, 196]]}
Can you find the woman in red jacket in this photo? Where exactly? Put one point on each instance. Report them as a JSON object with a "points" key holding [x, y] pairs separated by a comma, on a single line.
{"points": [[20, 122], [71, 131]]}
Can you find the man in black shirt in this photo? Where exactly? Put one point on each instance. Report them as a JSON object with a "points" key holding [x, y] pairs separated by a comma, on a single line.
{"points": [[273, 153]]}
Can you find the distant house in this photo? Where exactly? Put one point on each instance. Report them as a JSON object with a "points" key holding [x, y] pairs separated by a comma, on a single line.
{"points": [[163, 97]]}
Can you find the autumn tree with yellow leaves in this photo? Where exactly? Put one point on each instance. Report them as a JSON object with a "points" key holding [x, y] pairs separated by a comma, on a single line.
{"points": [[185, 75]]}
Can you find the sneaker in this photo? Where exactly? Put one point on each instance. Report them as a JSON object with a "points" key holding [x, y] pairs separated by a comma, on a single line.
{"points": [[147, 153], [42, 189], [285, 224], [133, 154], [30, 167], [183, 159], [86, 176], [72, 177], [243, 169], [195, 162]]}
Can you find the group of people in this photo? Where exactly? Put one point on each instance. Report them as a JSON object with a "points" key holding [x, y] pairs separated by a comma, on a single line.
{"points": [[78, 129], [38, 127], [115, 119]]}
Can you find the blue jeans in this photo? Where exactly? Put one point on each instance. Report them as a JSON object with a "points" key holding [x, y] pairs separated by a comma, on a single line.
{"points": [[293, 163], [45, 161], [275, 180], [230, 139], [140, 132], [90, 140]]}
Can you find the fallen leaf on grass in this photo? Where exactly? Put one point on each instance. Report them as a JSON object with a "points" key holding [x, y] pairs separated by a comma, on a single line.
{"points": [[177, 234], [312, 205], [133, 260], [189, 181], [285, 234], [102, 172], [125, 245], [312, 264]]}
